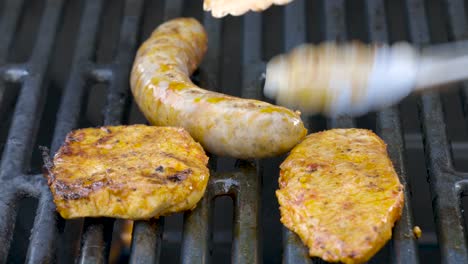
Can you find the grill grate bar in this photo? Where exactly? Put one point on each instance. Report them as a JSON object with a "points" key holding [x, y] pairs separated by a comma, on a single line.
{"points": [[458, 28], [28, 108], [445, 195], [197, 233], [246, 212], [246, 238], [96, 241], [10, 17], [172, 9], [197, 236], [389, 126], [247, 230], [20, 187], [446, 200], [70, 107], [294, 251], [457, 18], [376, 17], [146, 241], [335, 30], [8, 196], [295, 32], [295, 24], [118, 87], [335, 20], [42, 246], [8, 207], [147, 235], [242, 185], [210, 74], [459, 31], [252, 66]]}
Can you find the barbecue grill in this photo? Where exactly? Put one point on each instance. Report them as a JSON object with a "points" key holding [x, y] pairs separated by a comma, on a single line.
{"points": [[65, 65]]}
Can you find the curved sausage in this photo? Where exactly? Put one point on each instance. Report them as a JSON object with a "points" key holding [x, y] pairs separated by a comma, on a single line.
{"points": [[224, 125]]}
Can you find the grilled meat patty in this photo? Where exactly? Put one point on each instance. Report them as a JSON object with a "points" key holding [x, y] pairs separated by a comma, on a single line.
{"points": [[340, 193], [224, 125], [131, 172]]}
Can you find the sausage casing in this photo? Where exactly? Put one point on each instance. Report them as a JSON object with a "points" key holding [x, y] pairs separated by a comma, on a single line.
{"points": [[223, 124]]}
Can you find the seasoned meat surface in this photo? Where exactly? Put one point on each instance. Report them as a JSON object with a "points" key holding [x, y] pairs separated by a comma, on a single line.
{"points": [[340, 193], [131, 172]]}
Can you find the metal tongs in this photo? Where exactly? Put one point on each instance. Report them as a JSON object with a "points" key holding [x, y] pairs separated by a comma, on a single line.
{"points": [[391, 74], [442, 64]]}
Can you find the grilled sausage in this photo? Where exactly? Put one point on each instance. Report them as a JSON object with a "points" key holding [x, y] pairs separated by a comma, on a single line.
{"points": [[224, 125]]}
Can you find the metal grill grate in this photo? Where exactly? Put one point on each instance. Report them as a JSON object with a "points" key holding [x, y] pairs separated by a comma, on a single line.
{"points": [[245, 183]]}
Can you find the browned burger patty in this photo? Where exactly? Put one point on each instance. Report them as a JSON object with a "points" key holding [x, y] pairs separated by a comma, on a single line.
{"points": [[131, 172], [340, 193]]}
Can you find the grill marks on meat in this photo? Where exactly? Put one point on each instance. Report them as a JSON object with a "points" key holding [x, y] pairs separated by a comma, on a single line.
{"points": [[180, 176], [340, 193], [80, 189], [133, 172], [162, 178]]}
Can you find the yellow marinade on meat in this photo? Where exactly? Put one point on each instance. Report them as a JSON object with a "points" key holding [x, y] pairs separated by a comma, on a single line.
{"points": [[340, 193], [130, 172], [224, 125]]}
